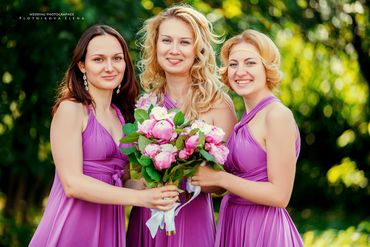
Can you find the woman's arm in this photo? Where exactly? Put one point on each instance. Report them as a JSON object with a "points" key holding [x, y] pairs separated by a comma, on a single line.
{"points": [[66, 146], [281, 161]]}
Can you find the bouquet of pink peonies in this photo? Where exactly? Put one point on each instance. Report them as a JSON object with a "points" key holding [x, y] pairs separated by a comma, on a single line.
{"points": [[167, 148]]}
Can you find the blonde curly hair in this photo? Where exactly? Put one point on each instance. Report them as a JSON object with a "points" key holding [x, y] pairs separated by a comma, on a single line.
{"points": [[206, 87], [269, 52]]}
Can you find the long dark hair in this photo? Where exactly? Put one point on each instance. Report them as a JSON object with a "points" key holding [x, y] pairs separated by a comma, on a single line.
{"points": [[72, 86]]}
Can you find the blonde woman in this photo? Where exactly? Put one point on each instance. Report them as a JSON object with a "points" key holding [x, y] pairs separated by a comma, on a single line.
{"points": [[264, 147], [178, 65]]}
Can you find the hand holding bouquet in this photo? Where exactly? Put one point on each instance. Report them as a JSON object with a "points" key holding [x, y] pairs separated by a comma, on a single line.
{"points": [[167, 148]]}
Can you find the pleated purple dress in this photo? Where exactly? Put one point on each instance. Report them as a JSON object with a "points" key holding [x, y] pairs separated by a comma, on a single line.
{"points": [[244, 223], [74, 222], [195, 225]]}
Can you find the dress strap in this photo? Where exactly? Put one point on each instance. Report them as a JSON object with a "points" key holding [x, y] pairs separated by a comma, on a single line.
{"points": [[119, 114], [168, 102], [248, 116]]}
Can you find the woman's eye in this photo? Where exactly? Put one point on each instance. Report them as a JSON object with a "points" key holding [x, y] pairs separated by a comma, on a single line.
{"points": [[249, 63], [118, 58], [98, 59], [185, 42], [166, 41], [233, 65]]}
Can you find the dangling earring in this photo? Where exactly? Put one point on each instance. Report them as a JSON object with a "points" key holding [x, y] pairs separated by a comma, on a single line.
{"points": [[85, 82], [118, 88]]}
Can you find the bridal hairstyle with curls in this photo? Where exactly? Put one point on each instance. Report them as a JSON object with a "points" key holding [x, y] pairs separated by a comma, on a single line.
{"points": [[269, 54], [72, 86], [206, 87]]}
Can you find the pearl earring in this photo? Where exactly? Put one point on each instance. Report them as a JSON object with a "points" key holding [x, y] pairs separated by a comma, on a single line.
{"points": [[118, 89]]}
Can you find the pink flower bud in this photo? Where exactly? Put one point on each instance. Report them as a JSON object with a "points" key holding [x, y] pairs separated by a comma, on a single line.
{"points": [[163, 160], [163, 130], [146, 127], [219, 152], [192, 142], [215, 136], [183, 154], [152, 150]]}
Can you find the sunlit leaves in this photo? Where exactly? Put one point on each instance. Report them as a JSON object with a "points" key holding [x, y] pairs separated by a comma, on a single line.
{"points": [[348, 174], [232, 8], [346, 138], [352, 236]]}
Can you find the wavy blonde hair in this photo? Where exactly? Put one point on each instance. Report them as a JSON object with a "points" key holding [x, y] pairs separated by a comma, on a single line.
{"points": [[206, 87], [267, 49]]}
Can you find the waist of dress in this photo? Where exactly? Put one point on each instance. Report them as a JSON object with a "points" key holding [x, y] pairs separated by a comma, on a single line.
{"points": [[97, 168], [234, 199]]}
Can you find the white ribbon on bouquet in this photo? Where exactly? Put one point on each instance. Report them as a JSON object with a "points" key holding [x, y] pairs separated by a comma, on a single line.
{"points": [[161, 218]]}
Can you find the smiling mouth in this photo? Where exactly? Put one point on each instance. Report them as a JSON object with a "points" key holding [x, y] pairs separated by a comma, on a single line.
{"points": [[242, 82], [109, 77], [174, 60]]}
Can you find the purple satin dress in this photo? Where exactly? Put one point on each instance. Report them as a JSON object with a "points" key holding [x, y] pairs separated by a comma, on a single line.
{"points": [[73, 222], [195, 224], [244, 223]]}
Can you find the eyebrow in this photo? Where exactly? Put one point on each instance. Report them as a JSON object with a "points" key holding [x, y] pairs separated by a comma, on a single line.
{"points": [[168, 36], [249, 58], [97, 54]]}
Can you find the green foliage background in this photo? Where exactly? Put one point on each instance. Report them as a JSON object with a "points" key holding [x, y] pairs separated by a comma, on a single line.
{"points": [[325, 47]]}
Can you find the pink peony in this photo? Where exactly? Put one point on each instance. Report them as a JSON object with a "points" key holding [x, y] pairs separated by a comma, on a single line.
{"points": [[219, 152], [159, 113], [163, 130], [192, 142], [163, 160], [145, 101], [152, 150], [146, 127], [185, 154], [215, 136]]}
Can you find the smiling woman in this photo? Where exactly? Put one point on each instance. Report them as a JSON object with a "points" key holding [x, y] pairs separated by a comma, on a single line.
{"points": [[264, 148], [85, 202], [179, 67]]}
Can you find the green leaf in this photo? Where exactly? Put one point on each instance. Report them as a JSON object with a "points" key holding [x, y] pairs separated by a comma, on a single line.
{"points": [[129, 128], [206, 155], [179, 118], [179, 130], [166, 176], [128, 150], [141, 115], [145, 160], [133, 137], [151, 184], [193, 131], [202, 139], [145, 175], [153, 173], [177, 175], [186, 124], [133, 159], [143, 142], [217, 167], [180, 142], [134, 174], [189, 172]]}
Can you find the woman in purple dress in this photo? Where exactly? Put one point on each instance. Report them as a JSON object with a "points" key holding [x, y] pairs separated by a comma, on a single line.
{"points": [[85, 202], [264, 147], [179, 66]]}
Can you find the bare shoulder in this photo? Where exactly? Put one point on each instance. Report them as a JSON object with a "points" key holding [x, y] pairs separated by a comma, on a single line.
{"points": [[279, 115], [225, 103], [69, 108], [70, 113]]}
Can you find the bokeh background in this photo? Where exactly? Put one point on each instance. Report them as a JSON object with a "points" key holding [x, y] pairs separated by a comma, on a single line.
{"points": [[325, 47]]}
